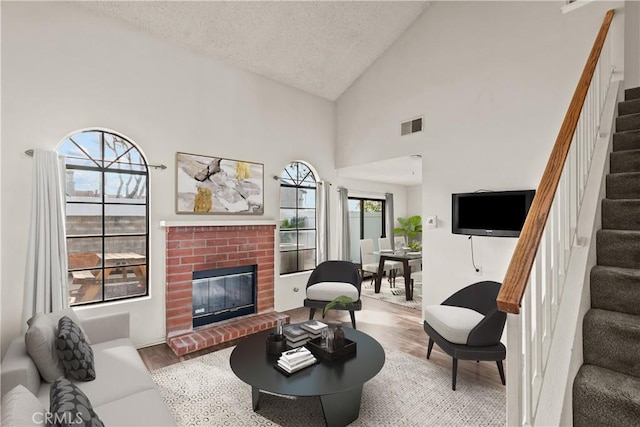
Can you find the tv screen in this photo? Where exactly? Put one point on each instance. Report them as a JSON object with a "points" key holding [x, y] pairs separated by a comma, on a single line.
{"points": [[493, 213]]}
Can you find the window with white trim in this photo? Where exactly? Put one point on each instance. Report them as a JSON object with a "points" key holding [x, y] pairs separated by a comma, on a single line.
{"points": [[297, 219], [107, 217]]}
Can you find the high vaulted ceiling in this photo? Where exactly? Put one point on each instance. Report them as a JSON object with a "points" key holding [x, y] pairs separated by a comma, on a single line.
{"points": [[320, 47]]}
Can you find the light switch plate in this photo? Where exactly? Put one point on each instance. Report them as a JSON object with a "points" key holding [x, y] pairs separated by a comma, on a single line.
{"points": [[432, 221]]}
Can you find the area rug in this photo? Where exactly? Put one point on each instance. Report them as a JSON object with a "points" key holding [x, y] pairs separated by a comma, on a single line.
{"points": [[408, 391], [395, 295]]}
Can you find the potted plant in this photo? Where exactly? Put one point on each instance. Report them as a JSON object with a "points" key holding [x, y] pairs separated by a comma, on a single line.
{"points": [[338, 302], [410, 228]]}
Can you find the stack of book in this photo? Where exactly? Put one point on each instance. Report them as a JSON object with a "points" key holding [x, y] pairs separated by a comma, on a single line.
{"points": [[313, 328], [296, 359], [296, 336]]}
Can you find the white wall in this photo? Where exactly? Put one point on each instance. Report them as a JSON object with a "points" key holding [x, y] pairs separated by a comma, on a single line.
{"points": [[65, 69], [632, 43], [493, 80], [414, 200]]}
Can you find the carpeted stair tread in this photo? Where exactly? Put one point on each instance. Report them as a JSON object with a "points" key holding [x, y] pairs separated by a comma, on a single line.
{"points": [[633, 93], [618, 248], [625, 161], [624, 185], [602, 397], [615, 289], [629, 107], [628, 122], [610, 340], [621, 214], [629, 140]]}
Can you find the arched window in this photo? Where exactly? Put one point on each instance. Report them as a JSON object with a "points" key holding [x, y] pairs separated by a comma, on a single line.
{"points": [[297, 219], [107, 217]]}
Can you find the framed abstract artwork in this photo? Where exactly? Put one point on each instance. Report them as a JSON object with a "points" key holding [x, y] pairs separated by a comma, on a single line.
{"points": [[215, 185]]}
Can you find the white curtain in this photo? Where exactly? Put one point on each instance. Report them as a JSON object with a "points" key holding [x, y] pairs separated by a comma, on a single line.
{"points": [[322, 245], [389, 217], [45, 287], [344, 246]]}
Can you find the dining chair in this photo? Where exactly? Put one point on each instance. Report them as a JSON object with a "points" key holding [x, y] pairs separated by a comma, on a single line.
{"points": [[384, 243], [368, 260], [399, 243]]}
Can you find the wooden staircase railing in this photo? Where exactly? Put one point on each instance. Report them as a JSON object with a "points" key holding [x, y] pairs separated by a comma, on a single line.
{"points": [[532, 288]]}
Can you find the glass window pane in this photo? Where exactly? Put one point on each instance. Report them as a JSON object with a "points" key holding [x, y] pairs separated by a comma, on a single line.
{"points": [[288, 197], [372, 226], [84, 219], [115, 147], [120, 219], [287, 218], [130, 187], [306, 218], [288, 241], [122, 282], [82, 149], [120, 154], [83, 186], [306, 260], [306, 198], [307, 239], [288, 262], [84, 252], [90, 143], [125, 250]]}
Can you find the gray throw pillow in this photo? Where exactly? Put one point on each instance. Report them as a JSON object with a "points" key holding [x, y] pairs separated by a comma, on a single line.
{"points": [[40, 341], [70, 407], [74, 352]]}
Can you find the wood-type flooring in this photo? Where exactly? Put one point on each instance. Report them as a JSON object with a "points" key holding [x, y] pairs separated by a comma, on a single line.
{"points": [[393, 326]]}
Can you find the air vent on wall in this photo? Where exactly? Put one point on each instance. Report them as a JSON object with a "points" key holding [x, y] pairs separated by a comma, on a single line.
{"points": [[411, 126]]}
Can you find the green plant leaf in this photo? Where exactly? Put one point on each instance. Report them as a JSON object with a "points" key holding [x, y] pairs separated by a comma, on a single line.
{"points": [[338, 302]]}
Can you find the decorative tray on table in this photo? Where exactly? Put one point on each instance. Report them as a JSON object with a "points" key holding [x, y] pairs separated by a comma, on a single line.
{"points": [[330, 354]]}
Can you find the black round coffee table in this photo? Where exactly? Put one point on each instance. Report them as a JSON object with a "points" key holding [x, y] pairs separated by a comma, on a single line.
{"points": [[338, 383]]}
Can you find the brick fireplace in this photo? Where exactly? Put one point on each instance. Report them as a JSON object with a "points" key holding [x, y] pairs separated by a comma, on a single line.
{"points": [[206, 245]]}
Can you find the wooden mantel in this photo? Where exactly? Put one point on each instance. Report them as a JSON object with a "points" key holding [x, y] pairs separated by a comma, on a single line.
{"points": [[217, 223]]}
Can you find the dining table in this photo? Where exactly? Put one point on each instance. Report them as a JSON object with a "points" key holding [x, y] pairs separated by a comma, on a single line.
{"points": [[398, 255]]}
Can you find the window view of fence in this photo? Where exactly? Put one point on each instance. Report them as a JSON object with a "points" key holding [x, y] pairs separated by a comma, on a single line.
{"points": [[106, 217], [366, 221]]}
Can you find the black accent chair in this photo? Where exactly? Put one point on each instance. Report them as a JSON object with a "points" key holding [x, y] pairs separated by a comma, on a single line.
{"points": [[483, 341], [332, 279]]}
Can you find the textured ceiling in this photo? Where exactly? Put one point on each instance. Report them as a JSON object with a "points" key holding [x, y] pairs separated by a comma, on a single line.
{"points": [[320, 47]]}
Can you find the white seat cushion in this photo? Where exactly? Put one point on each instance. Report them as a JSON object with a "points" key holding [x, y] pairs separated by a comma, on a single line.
{"points": [[327, 291], [453, 323]]}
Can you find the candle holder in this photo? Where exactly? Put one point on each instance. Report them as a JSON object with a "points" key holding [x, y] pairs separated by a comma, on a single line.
{"points": [[276, 343]]}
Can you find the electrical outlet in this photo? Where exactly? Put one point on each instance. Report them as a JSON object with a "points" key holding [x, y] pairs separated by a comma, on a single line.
{"points": [[479, 272]]}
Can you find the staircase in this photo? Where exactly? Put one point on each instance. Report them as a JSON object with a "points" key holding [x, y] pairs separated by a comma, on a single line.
{"points": [[606, 390]]}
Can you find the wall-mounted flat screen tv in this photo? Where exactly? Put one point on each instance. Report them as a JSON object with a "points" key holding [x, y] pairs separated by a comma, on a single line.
{"points": [[491, 213]]}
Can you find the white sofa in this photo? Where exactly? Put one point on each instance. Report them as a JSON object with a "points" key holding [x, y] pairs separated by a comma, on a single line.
{"points": [[123, 393]]}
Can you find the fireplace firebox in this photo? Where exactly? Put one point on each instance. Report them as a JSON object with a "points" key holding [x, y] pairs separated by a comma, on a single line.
{"points": [[223, 293]]}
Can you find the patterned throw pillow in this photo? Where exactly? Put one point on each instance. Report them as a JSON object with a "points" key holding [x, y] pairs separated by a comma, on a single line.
{"points": [[74, 352], [70, 407]]}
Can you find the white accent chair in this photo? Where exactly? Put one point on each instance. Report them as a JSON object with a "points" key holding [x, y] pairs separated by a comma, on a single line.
{"points": [[368, 260], [332, 279]]}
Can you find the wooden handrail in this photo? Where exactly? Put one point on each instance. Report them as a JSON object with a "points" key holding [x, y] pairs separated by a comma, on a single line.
{"points": [[515, 281]]}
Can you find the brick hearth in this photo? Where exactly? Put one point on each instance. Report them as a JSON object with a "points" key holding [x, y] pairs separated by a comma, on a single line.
{"points": [[192, 248]]}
